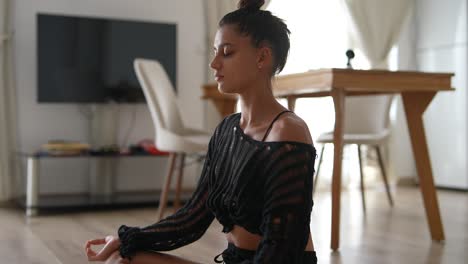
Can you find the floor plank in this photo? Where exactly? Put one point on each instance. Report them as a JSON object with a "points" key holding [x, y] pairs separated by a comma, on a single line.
{"points": [[18, 243], [383, 235]]}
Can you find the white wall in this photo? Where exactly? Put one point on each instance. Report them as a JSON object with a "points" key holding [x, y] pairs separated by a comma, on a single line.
{"points": [[402, 163], [441, 45], [39, 123], [435, 40]]}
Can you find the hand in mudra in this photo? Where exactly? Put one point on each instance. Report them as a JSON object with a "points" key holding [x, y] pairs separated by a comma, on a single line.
{"points": [[111, 246]]}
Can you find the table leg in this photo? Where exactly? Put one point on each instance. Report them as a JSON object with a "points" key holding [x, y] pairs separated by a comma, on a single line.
{"points": [[291, 103], [225, 106], [415, 104], [339, 102], [32, 188]]}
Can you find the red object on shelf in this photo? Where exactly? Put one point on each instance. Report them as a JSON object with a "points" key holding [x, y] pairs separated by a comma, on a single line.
{"points": [[148, 146]]}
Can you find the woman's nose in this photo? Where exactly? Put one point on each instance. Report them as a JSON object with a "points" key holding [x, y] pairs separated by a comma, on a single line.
{"points": [[214, 64]]}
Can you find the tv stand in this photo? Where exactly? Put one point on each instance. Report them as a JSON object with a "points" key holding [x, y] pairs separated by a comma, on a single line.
{"points": [[102, 195]]}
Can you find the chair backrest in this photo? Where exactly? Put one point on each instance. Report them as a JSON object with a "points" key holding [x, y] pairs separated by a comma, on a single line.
{"points": [[367, 114], [159, 94]]}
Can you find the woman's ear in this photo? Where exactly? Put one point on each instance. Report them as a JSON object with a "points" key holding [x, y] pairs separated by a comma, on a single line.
{"points": [[265, 57]]}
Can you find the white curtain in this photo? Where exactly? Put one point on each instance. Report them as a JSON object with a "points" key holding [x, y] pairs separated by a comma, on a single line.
{"points": [[8, 125], [375, 27], [214, 11]]}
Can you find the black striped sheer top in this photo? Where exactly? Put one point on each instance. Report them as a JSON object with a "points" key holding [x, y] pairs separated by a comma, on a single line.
{"points": [[264, 187]]}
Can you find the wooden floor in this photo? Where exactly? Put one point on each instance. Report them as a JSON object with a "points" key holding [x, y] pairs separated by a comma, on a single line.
{"points": [[383, 235]]}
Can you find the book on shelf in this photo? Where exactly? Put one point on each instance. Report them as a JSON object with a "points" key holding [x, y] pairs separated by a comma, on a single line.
{"points": [[62, 147]]}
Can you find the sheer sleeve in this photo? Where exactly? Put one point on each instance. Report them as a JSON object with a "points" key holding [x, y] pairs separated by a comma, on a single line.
{"points": [[185, 226], [287, 206]]}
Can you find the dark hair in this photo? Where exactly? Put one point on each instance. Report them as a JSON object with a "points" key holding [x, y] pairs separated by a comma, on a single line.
{"points": [[263, 27]]}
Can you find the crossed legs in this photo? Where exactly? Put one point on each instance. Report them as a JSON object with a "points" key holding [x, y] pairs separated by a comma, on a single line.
{"points": [[148, 258]]}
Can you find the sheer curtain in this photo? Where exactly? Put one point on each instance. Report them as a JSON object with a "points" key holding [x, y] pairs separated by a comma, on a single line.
{"points": [[214, 11], [321, 32], [319, 39], [8, 126], [375, 27]]}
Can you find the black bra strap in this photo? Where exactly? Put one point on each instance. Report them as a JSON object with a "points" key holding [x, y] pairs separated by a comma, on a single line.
{"points": [[271, 124]]}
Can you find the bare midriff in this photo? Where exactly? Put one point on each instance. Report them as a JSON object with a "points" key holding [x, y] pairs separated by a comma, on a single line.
{"points": [[242, 238]]}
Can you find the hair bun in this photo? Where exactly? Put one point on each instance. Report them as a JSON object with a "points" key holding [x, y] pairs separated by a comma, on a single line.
{"points": [[251, 4]]}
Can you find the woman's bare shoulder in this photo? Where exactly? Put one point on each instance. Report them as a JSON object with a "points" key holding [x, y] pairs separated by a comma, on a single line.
{"points": [[290, 127]]}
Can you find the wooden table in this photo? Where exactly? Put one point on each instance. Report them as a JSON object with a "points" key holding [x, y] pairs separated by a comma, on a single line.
{"points": [[417, 90]]}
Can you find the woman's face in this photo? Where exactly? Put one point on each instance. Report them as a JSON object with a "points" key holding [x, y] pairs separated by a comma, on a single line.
{"points": [[235, 61]]}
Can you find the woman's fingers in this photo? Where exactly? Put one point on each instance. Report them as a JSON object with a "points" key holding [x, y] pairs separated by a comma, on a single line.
{"points": [[106, 251], [90, 253], [94, 257], [98, 241]]}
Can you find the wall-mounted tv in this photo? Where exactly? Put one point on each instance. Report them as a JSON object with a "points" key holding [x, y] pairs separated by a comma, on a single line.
{"points": [[90, 60]]}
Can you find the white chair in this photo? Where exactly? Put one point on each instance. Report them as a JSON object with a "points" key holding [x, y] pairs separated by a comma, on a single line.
{"points": [[170, 133], [367, 122]]}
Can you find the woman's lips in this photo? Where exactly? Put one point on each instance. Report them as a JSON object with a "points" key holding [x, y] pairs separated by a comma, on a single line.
{"points": [[219, 78]]}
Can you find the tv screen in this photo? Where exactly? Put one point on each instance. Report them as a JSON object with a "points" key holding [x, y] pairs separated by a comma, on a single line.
{"points": [[90, 60]]}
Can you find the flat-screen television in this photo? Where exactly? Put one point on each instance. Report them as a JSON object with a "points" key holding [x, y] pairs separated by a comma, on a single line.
{"points": [[90, 60]]}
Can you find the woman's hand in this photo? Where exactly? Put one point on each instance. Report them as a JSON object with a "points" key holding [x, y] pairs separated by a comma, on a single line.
{"points": [[111, 244]]}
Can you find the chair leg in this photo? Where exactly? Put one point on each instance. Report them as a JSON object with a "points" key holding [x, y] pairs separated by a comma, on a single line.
{"points": [[362, 178], [179, 181], [318, 169], [167, 185], [384, 175]]}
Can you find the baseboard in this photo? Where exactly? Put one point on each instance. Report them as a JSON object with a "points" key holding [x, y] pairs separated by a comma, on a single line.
{"points": [[412, 181], [7, 204], [456, 189]]}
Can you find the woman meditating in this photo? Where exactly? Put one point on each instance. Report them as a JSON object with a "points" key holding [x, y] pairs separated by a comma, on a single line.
{"points": [[257, 176]]}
